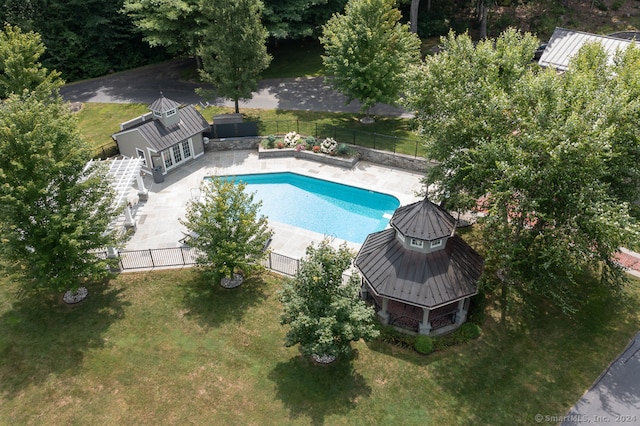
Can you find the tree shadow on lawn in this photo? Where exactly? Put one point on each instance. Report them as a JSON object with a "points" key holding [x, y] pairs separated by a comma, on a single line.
{"points": [[212, 305], [318, 391], [43, 336], [538, 365]]}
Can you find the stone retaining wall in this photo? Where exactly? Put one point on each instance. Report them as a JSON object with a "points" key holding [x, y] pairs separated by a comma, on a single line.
{"points": [[376, 156]]}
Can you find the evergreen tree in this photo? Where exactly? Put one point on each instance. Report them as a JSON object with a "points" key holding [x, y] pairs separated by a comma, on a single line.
{"points": [[325, 313], [233, 51]]}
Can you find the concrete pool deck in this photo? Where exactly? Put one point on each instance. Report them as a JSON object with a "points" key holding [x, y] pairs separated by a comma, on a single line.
{"points": [[157, 218]]}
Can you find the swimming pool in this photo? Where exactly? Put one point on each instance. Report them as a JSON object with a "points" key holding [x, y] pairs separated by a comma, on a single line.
{"points": [[329, 208]]}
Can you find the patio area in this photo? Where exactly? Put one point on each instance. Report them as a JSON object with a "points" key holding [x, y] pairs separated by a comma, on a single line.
{"points": [[157, 218]]}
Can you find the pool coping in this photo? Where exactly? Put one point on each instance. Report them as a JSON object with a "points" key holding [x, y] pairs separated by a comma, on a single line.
{"points": [[158, 218]]}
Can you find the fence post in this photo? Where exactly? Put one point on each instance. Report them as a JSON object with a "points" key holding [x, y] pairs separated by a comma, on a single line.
{"points": [[354, 137], [416, 154], [298, 126], [316, 130], [151, 256], [276, 127], [182, 253]]}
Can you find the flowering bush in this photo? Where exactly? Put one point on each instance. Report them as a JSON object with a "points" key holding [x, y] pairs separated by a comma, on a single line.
{"points": [[291, 139], [280, 145], [300, 147], [328, 145], [316, 148]]}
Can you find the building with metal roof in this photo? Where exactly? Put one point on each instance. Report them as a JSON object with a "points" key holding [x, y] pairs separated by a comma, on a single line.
{"points": [[164, 138], [418, 273], [564, 44]]}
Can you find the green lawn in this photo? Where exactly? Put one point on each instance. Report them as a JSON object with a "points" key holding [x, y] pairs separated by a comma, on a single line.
{"points": [[167, 348], [98, 121]]}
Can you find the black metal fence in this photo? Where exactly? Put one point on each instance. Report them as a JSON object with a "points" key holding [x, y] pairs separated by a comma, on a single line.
{"points": [[186, 256], [357, 137]]}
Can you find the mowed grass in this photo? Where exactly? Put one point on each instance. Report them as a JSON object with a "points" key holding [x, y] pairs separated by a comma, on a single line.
{"points": [[98, 121], [167, 347]]}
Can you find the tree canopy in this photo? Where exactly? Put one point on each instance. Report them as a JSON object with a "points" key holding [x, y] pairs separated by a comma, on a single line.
{"points": [[231, 236], [20, 68], [294, 19], [173, 24], [233, 50], [325, 313], [551, 159], [54, 210], [368, 50]]}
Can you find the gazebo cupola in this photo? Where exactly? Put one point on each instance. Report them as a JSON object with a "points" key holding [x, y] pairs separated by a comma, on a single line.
{"points": [[165, 110], [423, 226]]}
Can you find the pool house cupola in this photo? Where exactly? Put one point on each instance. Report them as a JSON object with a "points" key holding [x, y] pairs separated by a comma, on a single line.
{"points": [[423, 226], [166, 111]]}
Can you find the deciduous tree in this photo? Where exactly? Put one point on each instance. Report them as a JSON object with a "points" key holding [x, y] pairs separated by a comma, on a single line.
{"points": [[323, 311], [552, 158], [231, 236], [233, 51], [20, 69], [54, 209], [368, 50], [295, 19], [174, 24]]}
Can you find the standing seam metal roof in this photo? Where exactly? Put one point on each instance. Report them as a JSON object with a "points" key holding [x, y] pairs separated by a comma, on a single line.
{"points": [[564, 44], [421, 279], [160, 137], [423, 220]]}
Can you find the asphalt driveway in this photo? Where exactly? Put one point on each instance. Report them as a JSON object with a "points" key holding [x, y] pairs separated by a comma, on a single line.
{"points": [[144, 85]]}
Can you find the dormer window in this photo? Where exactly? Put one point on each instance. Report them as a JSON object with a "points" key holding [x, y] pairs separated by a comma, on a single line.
{"points": [[171, 112], [417, 243], [157, 114], [436, 243]]}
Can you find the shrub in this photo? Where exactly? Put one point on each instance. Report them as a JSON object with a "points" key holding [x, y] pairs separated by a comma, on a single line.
{"points": [[343, 150], [291, 139], [328, 146], [271, 141], [392, 336], [316, 148], [300, 147], [310, 140], [280, 145], [470, 330], [424, 345]]}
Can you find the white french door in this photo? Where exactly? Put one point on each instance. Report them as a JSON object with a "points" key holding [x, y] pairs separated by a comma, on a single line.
{"points": [[177, 154]]}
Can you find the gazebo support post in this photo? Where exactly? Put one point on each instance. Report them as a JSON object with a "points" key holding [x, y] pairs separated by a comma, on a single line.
{"points": [[425, 325], [461, 314], [382, 313]]}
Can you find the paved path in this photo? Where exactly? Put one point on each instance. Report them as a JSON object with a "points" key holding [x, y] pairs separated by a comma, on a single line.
{"points": [[144, 85]]}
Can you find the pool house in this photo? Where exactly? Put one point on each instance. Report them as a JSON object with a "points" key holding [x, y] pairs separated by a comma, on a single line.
{"points": [[165, 138], [418, 274]]}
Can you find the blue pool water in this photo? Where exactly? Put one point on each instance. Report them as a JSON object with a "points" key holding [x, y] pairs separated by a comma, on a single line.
{"points": [[329, 208]]}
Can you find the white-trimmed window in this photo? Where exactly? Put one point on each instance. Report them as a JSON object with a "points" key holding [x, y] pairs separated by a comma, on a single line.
{"points": [[417, 243], [140, 154], [436, 243], [157, 114], [171, 112]]}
